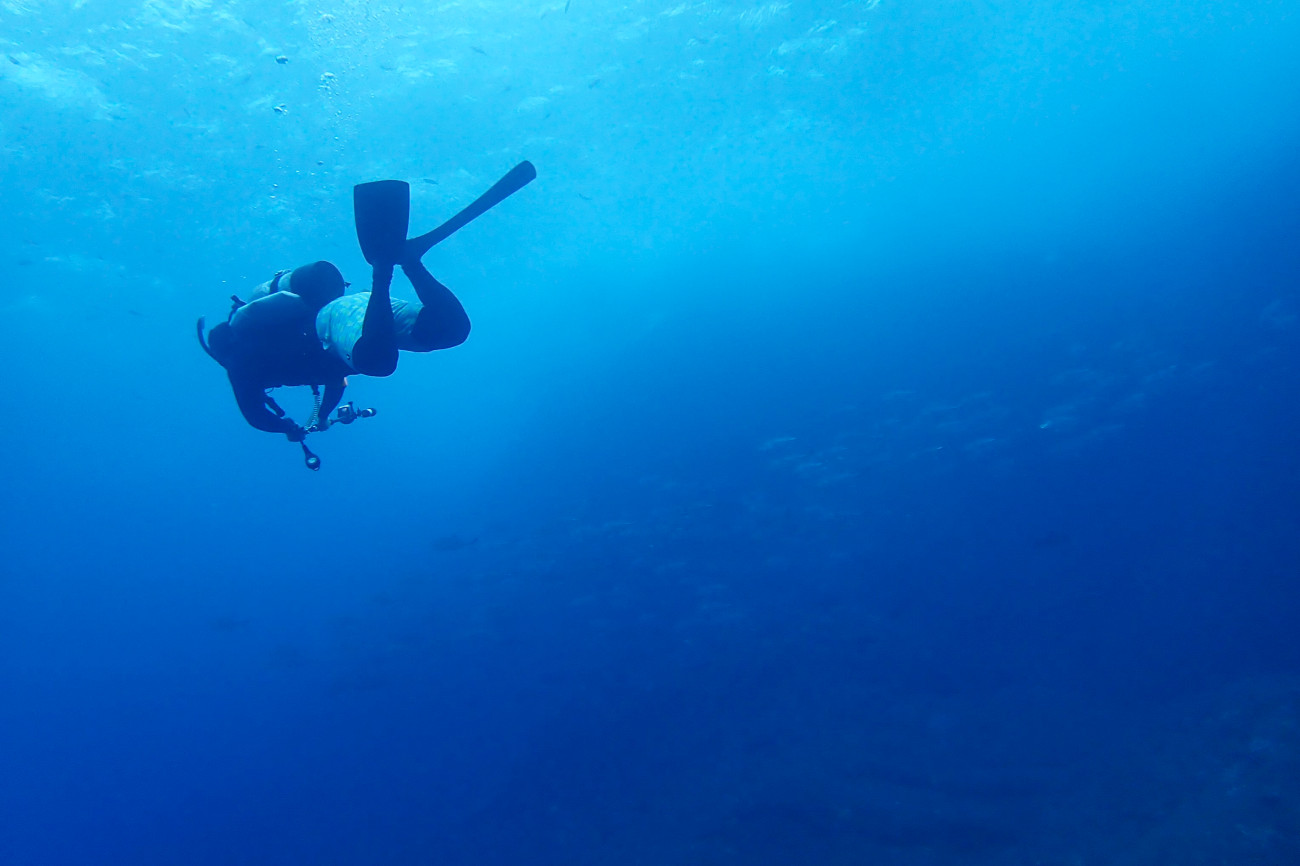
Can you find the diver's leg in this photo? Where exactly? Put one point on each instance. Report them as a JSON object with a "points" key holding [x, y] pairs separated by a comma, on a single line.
{"points": [[375, 352], [443, 322]]}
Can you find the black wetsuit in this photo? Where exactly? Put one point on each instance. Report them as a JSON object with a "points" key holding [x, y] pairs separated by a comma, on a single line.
{"points": [[273, 342], [287, 353]]}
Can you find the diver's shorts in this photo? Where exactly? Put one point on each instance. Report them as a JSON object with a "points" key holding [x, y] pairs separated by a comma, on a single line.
{"points": [[339, 322]]}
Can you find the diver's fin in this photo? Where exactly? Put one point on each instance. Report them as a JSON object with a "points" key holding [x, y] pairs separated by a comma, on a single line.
{"points": [[383, 212], [516, 179]]}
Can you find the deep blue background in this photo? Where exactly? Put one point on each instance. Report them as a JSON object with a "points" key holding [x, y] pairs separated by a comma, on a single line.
{"points": [[877, 442]]}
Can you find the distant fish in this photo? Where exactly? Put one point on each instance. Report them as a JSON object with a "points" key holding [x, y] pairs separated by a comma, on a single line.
{"points": [[566, 6], [281, 109], [584, 197], [449, 543], [478, 50], [229, 623], [1050, 539], [13, 60], [282, 59], [429, 180]]}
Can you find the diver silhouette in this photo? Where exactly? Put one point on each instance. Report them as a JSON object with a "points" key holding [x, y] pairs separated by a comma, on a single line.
{"points": [[301, 328]]}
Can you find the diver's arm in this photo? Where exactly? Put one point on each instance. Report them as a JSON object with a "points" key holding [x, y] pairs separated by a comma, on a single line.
{"points": [[330, 401], [252, 403]]}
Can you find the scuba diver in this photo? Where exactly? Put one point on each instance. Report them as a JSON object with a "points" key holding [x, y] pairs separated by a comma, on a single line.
{"points": [[300, 328]]}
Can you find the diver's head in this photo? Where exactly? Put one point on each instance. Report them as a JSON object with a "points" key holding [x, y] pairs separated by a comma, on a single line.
{"points": [[317, 284]]}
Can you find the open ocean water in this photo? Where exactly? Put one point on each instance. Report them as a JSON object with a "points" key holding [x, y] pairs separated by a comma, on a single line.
{"points": [[878, 442]]}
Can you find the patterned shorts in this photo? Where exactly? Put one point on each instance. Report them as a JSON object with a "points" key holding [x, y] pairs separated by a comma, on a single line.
{"points": [[338, 325]]}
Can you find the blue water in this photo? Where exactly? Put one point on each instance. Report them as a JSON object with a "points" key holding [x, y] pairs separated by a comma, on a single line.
{"points": [[877, 442]]}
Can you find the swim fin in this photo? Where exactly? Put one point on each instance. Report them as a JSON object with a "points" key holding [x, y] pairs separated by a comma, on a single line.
{"points": [[383, 213], [515, 179]]}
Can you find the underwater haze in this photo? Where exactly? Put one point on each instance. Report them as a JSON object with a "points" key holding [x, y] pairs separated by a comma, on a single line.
{"points": [[877, 442]]}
